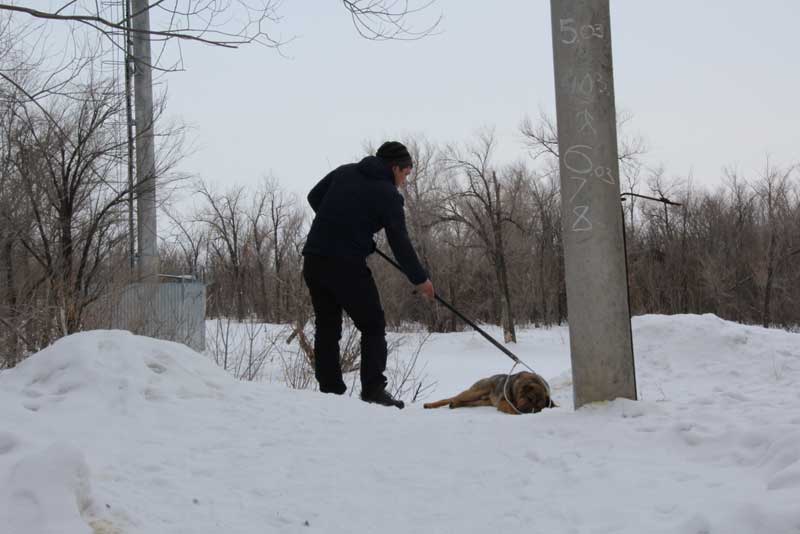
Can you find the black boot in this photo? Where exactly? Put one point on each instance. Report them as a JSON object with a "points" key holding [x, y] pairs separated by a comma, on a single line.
{"points": [[382, 397], [336, 388]]}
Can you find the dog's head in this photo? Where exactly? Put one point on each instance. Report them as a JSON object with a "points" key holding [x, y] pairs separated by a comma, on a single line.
{"points": [[531, 393]]}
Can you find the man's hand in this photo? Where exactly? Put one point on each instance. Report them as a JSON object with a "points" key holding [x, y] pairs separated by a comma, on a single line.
{"points": [[426, 289]]}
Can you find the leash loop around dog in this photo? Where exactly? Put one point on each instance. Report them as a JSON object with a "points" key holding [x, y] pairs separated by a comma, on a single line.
{"points": [[505, 386], [508, 378]]}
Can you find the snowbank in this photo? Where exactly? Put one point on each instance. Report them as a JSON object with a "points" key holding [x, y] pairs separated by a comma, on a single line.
{"points": [[107, 432]]}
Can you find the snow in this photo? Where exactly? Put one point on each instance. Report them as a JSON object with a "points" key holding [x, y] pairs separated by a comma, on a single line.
{"points": [[109, 433]]}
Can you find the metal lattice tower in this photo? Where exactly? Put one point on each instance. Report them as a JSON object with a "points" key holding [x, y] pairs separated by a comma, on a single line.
{"points": [[119, 68]]}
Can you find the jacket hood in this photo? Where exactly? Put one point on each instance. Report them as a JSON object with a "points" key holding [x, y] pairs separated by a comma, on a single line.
{"points": [[374, 167]]}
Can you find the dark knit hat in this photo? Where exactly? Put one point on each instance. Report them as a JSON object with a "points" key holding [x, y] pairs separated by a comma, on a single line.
{"points": [[395, 153]]}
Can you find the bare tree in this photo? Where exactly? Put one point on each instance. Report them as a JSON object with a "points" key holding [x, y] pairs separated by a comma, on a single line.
{"points": [[64, 179], [542, 237], [541, 138], [190, 240], [773, 194], [32, 67], [231, 24], [260, 245], [485, 203], [284, 222], [224, 215], [423, 193], [249, 251], [274, 221], [67, 217]]}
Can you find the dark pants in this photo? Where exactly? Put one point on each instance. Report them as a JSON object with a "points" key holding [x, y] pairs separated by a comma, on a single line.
{"points": [[338, 284]]}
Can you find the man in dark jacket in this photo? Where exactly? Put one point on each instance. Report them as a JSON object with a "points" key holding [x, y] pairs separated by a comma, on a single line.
{"points": [[352, 203]]}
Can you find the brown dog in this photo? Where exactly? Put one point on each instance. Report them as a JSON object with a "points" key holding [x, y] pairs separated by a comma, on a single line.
{"points": [[527, 392]]}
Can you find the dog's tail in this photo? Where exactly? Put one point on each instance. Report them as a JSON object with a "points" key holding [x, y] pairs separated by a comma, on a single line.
{"points": [[437, 404]]}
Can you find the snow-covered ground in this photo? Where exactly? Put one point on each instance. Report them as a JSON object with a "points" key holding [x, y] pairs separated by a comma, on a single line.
{"points": [[106, 432]]}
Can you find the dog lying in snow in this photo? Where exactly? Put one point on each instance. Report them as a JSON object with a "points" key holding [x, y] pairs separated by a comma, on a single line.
{"points": [[528, 392]]}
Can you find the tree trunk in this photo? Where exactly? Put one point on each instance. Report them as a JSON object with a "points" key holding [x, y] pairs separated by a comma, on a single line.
{"points": [[509, 332], [237, 282], [765, 312], [278, 285], [501, 273], [262, 281], [543, 311], [452, 291], [13, 354], [684, 306]]}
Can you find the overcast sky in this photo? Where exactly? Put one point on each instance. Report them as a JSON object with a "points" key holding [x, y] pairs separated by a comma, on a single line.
{"points": [[710, 84]]}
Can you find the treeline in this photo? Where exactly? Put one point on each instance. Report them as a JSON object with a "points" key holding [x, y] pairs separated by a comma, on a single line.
{"points": [[62, 212], [65, 201], [490, 235], [488, 231]]}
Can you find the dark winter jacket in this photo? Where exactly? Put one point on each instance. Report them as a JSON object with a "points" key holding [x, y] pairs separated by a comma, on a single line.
{"points": [[352, 203]]}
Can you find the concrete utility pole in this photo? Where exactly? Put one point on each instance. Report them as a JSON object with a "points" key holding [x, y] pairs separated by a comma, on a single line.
{"points": [[597, 287], [145, 149]]}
